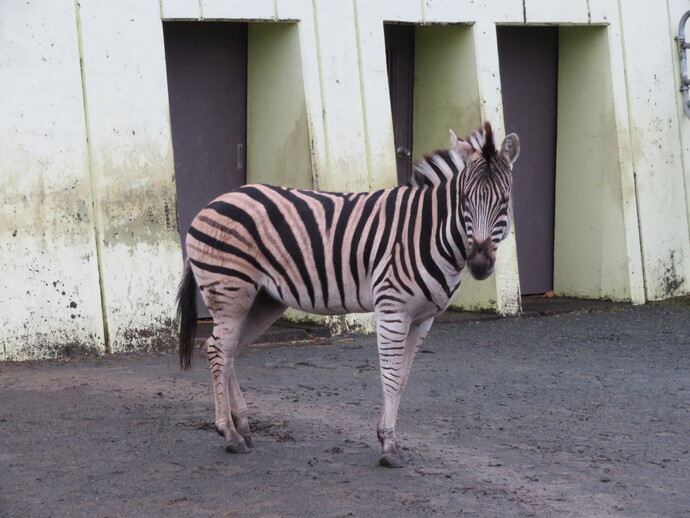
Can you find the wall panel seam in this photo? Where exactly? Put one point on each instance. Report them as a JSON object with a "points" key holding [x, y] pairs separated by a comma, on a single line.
{"points": [[92, 181]]}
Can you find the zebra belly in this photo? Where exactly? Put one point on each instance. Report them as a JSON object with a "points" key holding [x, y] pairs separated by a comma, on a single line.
{"points": [[250, 272], [321, 302]]}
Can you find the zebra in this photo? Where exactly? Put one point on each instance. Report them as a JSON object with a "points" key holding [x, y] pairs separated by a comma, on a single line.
{"points": [[398, 252]]}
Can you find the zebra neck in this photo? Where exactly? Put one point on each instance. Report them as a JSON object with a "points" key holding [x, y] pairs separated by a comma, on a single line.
{"points": [[439, 167], [454, 235], [452, 238]]}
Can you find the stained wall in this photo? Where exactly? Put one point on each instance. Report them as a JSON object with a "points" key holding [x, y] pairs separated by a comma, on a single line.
{"points": [[89, 245]]}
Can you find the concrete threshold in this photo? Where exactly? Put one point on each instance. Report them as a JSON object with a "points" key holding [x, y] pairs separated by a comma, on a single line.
{"points": [[534, 305]]}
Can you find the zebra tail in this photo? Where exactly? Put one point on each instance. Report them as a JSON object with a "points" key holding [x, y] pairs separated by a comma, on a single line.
{"points": [[186, 315]]}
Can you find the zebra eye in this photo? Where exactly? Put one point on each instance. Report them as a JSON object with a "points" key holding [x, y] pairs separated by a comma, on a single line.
{"points": [[505, 198]]}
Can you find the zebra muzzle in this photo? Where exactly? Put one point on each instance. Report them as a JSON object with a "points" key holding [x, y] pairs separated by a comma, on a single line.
{"points": [[481, 260]]}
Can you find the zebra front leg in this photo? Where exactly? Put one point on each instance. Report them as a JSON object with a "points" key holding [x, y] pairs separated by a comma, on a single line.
{"points": [[397, 356], [222, 362], [391, 331], [415, 338]]}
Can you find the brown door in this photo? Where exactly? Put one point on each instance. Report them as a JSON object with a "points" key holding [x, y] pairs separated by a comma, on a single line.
{"points": [[400, 64], [207, 87], [528, 59]]}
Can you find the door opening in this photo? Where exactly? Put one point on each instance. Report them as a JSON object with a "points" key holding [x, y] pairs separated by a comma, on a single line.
{"points": [[400, 48], [528, 60], [207, 89]]}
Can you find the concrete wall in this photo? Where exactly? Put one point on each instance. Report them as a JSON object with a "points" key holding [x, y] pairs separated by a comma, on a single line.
{"points": [[131, 162], [657, 145], [89, 247], [48, 255], [675, 11]]}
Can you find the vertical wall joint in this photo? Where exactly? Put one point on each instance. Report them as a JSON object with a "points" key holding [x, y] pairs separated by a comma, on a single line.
{"points": [[92, 181]]}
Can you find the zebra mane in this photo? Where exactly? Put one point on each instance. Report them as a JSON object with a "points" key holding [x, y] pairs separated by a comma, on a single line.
{"points": [[483, 140], [438, 167]]}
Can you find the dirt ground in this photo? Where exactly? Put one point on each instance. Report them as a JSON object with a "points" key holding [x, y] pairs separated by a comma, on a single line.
{"points": [[579, 415]]}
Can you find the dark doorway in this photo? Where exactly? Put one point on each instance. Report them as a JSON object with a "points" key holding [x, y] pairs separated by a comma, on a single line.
{"points": [[400, 65], [528, 59], [207, 88]]}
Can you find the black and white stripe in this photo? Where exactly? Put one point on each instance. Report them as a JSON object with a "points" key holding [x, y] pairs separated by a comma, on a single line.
{"points": [[398, 252]]}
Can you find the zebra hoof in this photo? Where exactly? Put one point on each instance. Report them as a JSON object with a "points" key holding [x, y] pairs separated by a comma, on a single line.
{"points": [[389, 460], [248, 441], [393, 458], [234, 442], [238, 447]]}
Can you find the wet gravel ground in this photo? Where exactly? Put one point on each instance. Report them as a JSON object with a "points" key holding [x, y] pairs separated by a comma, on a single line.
{"points": [[578, 415]]}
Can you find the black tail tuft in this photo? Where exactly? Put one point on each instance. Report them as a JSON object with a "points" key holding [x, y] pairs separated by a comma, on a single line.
{"points": [[186, 315]]}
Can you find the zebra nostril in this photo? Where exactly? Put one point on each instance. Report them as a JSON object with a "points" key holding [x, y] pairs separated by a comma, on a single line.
{"points": [[480, 261], [481, 267], [480, 248]]}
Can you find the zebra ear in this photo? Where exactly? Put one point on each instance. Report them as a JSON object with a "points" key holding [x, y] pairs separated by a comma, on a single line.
{"points": [[510, 149], [453, 138], [459, 145]]}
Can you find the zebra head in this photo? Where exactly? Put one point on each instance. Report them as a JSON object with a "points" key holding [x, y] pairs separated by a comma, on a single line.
{"points": [[484, 192]]}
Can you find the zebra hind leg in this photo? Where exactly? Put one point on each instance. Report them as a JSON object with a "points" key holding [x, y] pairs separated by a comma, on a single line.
{"points": [[262, 314], [220, 349]]}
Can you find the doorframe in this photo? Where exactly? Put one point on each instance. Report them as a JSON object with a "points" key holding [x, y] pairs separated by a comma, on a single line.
{"points": [[596, 246]]}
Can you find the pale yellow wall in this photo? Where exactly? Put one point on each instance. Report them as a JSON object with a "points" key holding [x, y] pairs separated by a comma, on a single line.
{"points": [[501, 292], [559, 12], [590, 251], [446, 97], [86, 166], [446, 90], [278, 148], [373, 85], [341, 97]]}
